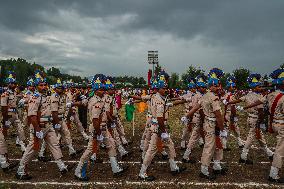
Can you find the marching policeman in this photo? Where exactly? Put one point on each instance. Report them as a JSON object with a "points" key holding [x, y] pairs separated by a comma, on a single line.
{"points": [[213, 126], [160, 131], [197, 119], [39, 111], [10, 115], [255, 118], [99, 132]]}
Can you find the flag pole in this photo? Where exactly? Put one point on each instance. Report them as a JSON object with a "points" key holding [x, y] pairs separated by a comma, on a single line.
{"points": [[133, 122]]}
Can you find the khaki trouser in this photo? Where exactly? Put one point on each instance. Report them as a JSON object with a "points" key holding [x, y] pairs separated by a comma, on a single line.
{"points": [[15, 121], [236, 131], [185, 133], [108, 141], [251, 135], [116, 137], [279, 150], [3, 145], [64, 132], [147, 139], [194, 137], [195, 134], [210, 149], [119, 127], [51, 140], [152, 149], [77, 122]]}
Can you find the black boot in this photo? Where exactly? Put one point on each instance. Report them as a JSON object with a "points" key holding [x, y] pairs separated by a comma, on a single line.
{"points": [[280, 180], [209, 177], [123, 170], [23, 177], [190, 160], [223, 171], [147, 178], [10, 167], [178, 171], [44, 158], [248, 161]]}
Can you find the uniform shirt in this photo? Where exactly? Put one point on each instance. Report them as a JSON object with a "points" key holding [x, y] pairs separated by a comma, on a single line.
{"points": [[69, 97], [251, 98], [188, 98], [279, 110], [27, 96], [95, 107], [110, 105], [114, 106], [58, 103], [210, 103], [158, 107], [9, 98], [229, 97], [39, 102], [147, 99]]}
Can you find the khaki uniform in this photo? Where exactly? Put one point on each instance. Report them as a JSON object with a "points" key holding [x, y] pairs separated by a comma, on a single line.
{"points": [[229, 120], [3, 145], [96, 107], [159, 109], [70, 98], [110, 107], [58, 104], [187, 105], [96, 111], [278, 127], [196, 129], [252, 120], [210, 103], [40, 105], [9, 99], [147, 131], [27, 96]]}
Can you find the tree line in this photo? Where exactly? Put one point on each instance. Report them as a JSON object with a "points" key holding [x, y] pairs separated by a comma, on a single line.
{"points": [[24, 70]]}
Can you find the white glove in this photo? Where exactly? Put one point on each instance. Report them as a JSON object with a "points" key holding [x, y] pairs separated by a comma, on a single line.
{"points": [[225, 102], [236, 119], [184, 120], [240, 108], [113, 125], [169, 104], [21, 103], [8, 123], [57, 126], [262, 126], [39, 135], [68, 105], [165, 136], [83, 97], [100, 138], [149, 115], [72, 118], [154, 121], [223, 134]]}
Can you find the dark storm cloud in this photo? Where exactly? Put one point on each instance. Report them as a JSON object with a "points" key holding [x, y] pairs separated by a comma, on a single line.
{"points": [[102, 36]]}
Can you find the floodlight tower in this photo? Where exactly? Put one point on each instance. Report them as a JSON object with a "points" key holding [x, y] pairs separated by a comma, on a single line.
{"points": [[153, 59]]}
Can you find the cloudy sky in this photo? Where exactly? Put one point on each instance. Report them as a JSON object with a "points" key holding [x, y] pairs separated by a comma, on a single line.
{"points": [[113, 36]]}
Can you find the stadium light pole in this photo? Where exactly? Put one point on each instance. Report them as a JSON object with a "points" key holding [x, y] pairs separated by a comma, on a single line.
{"points": [[153, 59]]}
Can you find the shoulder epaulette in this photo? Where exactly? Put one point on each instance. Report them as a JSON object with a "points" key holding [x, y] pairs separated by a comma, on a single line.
{"points": [[36, 95]]}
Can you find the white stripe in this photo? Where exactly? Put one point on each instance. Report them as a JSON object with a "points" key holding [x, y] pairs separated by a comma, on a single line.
{"points": [[119, 183], [138, 162], [252, 147]]}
